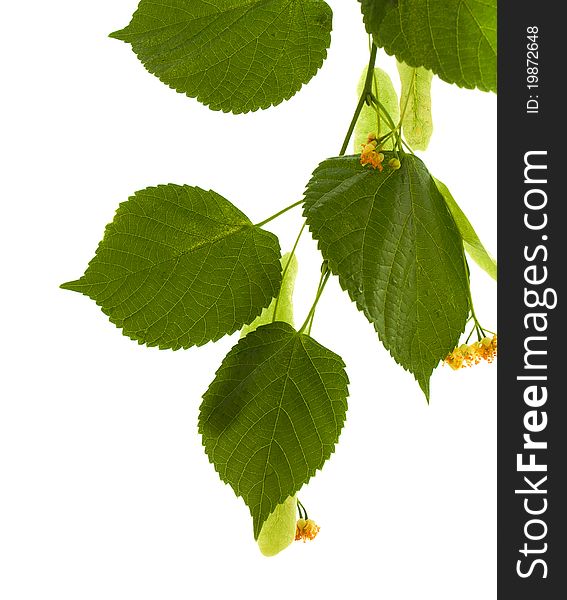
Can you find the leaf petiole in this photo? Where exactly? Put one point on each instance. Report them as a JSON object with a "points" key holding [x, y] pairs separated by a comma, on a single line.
{"points": [[325, 274], [279, 213]]}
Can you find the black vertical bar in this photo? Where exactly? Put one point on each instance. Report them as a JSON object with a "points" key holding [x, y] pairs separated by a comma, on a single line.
{"points": [[529, 567]]}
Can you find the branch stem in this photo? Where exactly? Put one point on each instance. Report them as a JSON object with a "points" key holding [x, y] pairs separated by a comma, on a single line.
{"points": [[364, 98]]}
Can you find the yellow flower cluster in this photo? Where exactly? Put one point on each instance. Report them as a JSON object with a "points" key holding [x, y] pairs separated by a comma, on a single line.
{"points": [[468, 355], [370, 154], [306, 529]]}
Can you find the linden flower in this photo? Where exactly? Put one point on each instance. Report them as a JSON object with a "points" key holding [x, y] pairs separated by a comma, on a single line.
{"points": [[306, 529], [468, 355], [370, 154], [394, 163]]}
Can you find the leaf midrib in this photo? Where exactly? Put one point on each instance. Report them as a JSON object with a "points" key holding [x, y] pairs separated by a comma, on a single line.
{"points": [[237, 387], [176, 257], [295, 340], [276, 420]]}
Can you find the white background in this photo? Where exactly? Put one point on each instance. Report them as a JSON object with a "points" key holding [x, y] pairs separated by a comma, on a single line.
{"points": [[105, 489]]}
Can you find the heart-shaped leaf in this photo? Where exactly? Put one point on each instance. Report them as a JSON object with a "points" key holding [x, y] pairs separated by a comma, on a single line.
{"points": [[456, 39], [232, 55], [273, 415], [180, 266], [392, 241]]}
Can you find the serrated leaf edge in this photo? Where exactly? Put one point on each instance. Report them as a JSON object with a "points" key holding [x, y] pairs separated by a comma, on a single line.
{"points": [[311, 472], [237, 327], [416, 64], [263, 106], [424, 385]]}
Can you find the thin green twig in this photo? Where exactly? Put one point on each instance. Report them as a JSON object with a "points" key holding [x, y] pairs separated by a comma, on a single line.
{"points": [[325, 274], [366, 90]]}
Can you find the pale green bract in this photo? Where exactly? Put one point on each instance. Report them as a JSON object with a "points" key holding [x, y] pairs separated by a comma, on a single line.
{"points": [[272, 415], [415, 104], [285, 300], [180, 266], [456, 39], [278, 531], [394, 245], [474, 247], [369, 121], [232, 55]]}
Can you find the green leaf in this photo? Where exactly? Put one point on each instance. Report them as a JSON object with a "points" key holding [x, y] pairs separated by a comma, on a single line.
{"points": [[273, 415], [375, 11], [278, 531], [285, 301], [456, 39], [392, 241], [472, 243], [415, 104], [232, 55], [180, 266], [369, 120]]}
